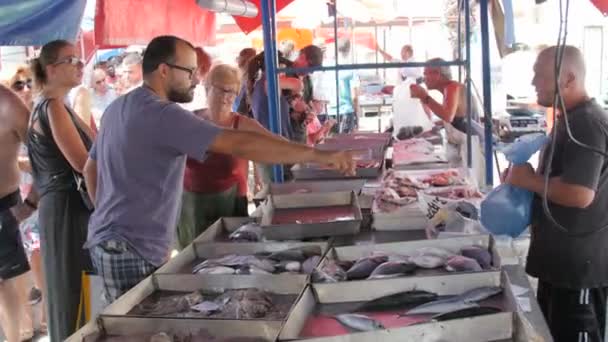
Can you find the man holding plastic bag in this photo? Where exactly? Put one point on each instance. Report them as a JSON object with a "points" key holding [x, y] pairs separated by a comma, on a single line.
{"points": [[569, 243]]}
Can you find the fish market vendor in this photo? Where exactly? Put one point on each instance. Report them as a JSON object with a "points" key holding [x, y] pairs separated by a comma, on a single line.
{"points": [[135, 170]]}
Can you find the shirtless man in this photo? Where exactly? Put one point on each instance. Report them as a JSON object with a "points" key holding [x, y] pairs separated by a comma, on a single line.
{"points": [[14, 117], [453, 109]]}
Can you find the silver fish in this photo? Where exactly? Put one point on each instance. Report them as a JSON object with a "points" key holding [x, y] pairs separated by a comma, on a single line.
{"points": [[299, 254], [391, 269], [441, 306], [359, 322], [480, 293], [250, 232], [216, 270], [233, 260], [428, 261], [440, 252], [461, 263], [206, 307], [365, 266]]}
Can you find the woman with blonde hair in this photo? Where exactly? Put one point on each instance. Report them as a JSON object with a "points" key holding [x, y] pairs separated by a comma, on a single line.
{"points": [[216, 187]]}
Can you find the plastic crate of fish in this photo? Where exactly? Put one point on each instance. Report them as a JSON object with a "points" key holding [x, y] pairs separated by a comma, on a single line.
{"points": [[471, 307], [278, 260], [258, 304], [313, 215], [361, 265], [135, 329], [305, 187]]}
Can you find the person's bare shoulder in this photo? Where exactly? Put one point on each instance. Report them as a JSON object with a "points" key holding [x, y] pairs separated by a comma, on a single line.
{"points": [[13, 112]]}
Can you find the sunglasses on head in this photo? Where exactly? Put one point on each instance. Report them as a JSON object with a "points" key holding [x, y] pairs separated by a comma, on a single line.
{"points": [[73, 60], [20, 85]]}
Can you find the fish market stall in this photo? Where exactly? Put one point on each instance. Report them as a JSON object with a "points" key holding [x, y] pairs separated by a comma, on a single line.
{"points": [[305, 187]]}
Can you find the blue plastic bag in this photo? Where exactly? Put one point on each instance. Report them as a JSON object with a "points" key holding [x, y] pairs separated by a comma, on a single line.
{"points": [[507, 210]]}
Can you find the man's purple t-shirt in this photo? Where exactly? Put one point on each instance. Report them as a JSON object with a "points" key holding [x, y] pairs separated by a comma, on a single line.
{"points": [[141, 154]]}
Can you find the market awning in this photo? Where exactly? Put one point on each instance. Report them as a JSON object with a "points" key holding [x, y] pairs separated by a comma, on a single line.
{"points": [[129, 22], [36, 22]]}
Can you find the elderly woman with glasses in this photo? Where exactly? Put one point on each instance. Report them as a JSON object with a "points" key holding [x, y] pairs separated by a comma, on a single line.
{"points": [[216, 187], [58, 144]]}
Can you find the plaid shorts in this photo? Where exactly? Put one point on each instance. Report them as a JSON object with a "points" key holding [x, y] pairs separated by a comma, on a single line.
{"points": [[119, 267]]}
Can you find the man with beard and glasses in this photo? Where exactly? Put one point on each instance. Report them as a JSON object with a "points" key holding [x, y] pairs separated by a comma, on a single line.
{"points": [[135, 170]]}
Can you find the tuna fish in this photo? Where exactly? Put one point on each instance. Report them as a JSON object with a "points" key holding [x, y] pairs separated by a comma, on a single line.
{"points": [[391, 269], [364, 267], [397, 300], [250, 232], [358, 322], [464, 313], [480, 254], [236, 261], [299, 254], [461, 263]]}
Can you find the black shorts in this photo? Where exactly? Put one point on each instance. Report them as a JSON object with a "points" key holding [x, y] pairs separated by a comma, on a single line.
{"points": [[13, 260]]}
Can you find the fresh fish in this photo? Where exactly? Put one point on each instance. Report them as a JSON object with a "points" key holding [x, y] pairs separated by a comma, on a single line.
{"points": [[391, 256], [345, 264], [480, 254], [309, 265], [464, 313], [391, 269], [289, 266], [461, 263], [397, 300], [216, 270], [440, 252], [427, 261], [299, 254], [329, 272], [250, 232], [441, 306], [252, 303], [480, 293], [235, 261], [206, 307], [359, 322], [364, 267], [250, 269]]}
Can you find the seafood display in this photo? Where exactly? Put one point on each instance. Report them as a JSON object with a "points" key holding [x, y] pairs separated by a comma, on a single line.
{"points": [[400, 310], [249, 232], [314, 215], [381, 265], [293, 260], [244, 304], [201, 336], [416, 151]]}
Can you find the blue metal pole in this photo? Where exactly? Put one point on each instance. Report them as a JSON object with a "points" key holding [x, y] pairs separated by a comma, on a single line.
{"points": [[270, 62], [487, 90], [467, 42], [337, 63], [459, 44]]}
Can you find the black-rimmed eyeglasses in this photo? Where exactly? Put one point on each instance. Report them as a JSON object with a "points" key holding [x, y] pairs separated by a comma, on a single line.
{"points": [[178, 67]]}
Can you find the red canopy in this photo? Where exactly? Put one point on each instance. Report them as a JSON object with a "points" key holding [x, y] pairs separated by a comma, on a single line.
{"points": [[248, 25], [601, 5], [131, 22]]}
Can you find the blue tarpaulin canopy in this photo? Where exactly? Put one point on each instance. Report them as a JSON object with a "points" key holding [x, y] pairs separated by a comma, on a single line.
{"points": [[36, 22]]}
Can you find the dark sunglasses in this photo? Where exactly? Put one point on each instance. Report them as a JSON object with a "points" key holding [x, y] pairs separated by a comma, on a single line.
{"points": [[73, 60], [188, 70], [20, 85]]}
